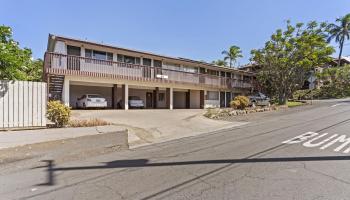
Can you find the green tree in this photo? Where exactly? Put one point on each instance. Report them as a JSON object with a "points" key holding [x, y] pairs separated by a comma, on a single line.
{"points": [[232, 54], [34, 71], [336, 82], [340, 32], [220, 62], [289, 56], [16, 63]]}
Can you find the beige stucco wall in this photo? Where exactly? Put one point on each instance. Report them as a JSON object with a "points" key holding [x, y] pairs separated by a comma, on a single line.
{"points": [[179, 99], [194, 99], [60, 47]]}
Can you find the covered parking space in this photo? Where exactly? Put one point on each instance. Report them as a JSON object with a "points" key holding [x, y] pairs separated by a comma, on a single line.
{"points": [[118, 95], [152, 97], [78, 89]]}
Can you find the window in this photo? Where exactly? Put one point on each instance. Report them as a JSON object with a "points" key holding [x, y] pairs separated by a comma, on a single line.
{"points": [[137, 60], [128, 59], [88, 53], [213, 95], [246, 79], [157, 63], [213, 72], [73, 50], [190, 69], [172, 66], [120, 58], [147, 62], [99, 55], [109, 56]]}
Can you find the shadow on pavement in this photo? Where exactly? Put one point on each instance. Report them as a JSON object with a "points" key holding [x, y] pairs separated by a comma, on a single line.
{"points": [[50, 167]]}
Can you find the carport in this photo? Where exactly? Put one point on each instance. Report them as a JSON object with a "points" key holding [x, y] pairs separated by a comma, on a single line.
{"points": [[152, 97], [117, 95], [78, 89]]}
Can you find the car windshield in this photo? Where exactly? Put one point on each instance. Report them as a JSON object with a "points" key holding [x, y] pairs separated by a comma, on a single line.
{"points": [[134, 98], [94, 96], [261, 95]]}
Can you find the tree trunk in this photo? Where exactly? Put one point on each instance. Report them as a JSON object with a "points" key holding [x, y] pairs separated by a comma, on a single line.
{"points": [[282, 100], [341, 50]]}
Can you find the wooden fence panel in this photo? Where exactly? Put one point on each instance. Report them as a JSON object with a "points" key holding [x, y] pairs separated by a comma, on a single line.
{"points": [[22, 104]]}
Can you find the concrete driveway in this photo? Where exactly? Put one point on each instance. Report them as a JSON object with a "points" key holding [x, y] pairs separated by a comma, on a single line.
{"points": [[152, 126]]}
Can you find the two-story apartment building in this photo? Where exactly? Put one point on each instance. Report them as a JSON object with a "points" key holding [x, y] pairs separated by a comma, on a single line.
{"points": [[74, 67]]}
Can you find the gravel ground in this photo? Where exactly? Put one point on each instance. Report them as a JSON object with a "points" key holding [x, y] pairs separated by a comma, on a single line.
{"points": [[259, 115]]}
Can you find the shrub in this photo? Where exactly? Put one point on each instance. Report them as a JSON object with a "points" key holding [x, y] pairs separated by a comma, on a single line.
{"points": [[240, 102], [235, 104], [58, 113], [88, 123]]}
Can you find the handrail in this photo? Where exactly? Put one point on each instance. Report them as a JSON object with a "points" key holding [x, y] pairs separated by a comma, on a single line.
{"points": [[83, 64]]}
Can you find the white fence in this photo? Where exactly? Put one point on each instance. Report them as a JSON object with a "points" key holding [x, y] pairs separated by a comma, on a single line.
{"points": [[22, 104]]}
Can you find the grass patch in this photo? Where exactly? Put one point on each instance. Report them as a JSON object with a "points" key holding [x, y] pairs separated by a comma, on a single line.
{"points": [[88, 123], [291, 104]]}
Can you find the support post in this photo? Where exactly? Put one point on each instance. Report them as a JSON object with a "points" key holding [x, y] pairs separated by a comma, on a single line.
{"points": [[169, 98], [219, 99], [201, 99], [114, 96], [125, 96], [188, 99], [155, 97], [65, 92]]}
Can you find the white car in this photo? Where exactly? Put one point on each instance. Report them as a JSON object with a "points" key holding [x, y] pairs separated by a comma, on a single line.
{"points": [[259, 99], [136, 102], [91, 101]]}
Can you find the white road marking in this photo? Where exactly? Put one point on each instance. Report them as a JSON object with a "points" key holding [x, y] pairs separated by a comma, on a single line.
{"points": [[300, 138], [339, 104], [309, 139], [309, 143]]}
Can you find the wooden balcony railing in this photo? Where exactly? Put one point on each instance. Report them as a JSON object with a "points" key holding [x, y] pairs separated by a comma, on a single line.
{"points": [[75, 65]]}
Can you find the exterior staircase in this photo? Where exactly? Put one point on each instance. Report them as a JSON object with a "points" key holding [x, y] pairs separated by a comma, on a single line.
{"points": [[55, 86]]}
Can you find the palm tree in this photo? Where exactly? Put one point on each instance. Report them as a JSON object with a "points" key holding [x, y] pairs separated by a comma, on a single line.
{"points": [[219, 62], [232, 54], [340, 33]]}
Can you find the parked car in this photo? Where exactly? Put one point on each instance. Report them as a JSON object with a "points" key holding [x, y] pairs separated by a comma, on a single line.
{"points": [[259, 99], [136, 102], [91, 101]]}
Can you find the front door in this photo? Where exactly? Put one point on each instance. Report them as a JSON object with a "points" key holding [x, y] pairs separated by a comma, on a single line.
{"points": [[149, 100], [228, 99], [73, 62], [222, 99]]}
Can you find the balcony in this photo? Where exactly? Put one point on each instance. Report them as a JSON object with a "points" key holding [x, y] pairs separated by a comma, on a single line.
{"points": [[61, 64]]}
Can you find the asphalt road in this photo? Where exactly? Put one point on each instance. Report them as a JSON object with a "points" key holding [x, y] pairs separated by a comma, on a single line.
{"points": [[260, 160]]}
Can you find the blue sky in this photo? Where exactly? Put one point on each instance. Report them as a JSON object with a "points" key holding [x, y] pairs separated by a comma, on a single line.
{"points": [[186, 28]]}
